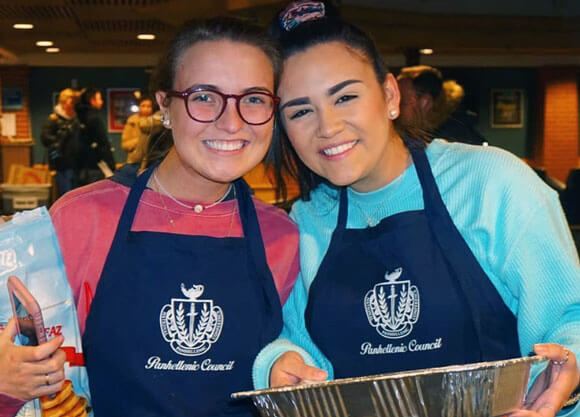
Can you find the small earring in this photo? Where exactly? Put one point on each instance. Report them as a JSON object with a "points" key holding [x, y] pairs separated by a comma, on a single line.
{"points": [[393, 113], [165, 121]]}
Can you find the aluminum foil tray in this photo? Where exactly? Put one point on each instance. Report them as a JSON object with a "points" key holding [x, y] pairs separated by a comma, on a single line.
{"points": [[476, 390]]}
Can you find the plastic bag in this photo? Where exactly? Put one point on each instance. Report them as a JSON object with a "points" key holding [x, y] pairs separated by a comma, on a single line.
{"points": [[29, 250]]}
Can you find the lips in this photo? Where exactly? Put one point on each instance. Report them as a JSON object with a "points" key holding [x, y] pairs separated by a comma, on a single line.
{"points": [[338, 149], [226, 145]]}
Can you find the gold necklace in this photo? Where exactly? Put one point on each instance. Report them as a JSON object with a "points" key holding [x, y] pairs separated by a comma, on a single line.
{"points": [[198, 208], [172, 222], [370, 219]]}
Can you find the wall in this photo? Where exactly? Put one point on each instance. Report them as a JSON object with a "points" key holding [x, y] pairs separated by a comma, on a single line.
{"points": [[478, 84], [559, 148], [44, 81], [18, 76]]}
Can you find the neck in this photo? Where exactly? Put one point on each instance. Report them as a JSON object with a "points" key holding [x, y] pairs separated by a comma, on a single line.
{"points": [[185, 184], [395, 161]]}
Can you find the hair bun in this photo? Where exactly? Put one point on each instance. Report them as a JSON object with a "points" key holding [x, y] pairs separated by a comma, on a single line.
{"points": [[299, 12]]}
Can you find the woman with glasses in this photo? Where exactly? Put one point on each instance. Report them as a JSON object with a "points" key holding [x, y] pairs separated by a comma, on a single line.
{"points": [[179, 277]]}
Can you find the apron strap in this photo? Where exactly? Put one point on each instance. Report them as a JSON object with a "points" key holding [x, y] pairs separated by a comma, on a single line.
{"points": [[253, 234], [447, 234], [130, 208]]}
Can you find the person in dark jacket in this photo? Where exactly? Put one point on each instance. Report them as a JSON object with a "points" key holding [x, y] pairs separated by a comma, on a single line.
{"points": [[435, 106], [60, 136], [96, 159]]}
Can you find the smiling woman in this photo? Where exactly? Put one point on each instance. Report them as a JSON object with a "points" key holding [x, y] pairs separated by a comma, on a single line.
{"points": [[187, 269], [419, 252]]}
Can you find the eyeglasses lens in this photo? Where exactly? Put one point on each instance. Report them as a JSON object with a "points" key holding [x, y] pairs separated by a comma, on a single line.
{"points": [[254, 108]]}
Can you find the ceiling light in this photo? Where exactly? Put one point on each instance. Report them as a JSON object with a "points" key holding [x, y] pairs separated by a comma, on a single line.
{"points": [[52, 50], [44, 43], [23, 26], [146, 36], [426, 51]]}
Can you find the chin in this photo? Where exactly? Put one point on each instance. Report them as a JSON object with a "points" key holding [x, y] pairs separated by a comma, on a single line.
{"points": [[342, 179], [225, 176]]}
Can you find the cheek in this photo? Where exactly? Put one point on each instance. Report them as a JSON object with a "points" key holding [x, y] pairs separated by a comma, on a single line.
{"points": [[264, 133]]}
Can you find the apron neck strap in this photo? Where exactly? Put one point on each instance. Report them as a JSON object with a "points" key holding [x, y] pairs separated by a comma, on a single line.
{"points": [[130, 208], [342, 209], [431, 197]]}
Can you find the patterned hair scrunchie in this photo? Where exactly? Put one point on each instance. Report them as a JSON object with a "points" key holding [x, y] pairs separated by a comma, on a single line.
{"points": [[301, 11]]}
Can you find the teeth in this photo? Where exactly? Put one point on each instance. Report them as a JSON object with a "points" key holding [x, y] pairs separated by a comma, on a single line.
{"points": [[339, 149], [225, 145]]}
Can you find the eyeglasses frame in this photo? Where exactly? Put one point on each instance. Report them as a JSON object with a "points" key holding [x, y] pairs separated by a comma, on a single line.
{"points": [[186, 93]]}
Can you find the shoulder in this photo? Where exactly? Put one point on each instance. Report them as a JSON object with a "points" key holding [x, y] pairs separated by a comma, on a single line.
{"points": [[53, 117], [273, 219], [92, 201], [323, 201], [133, 119], [486, 188], [486, 167]]}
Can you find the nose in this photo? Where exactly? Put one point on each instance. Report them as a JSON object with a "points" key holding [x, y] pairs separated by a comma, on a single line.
{"points": [[230, 120], [329, 123]]}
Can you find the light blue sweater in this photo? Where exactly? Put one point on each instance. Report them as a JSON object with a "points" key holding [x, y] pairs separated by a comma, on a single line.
{"points": [[512, 222]]}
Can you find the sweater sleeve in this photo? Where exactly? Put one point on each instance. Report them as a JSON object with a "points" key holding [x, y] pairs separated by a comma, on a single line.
{"points": [[542, 266], [520, 236], [294, 337], [517, 230]]}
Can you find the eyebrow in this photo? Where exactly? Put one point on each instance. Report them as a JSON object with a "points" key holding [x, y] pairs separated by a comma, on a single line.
{"points": [[215, 87], [331, 91]]}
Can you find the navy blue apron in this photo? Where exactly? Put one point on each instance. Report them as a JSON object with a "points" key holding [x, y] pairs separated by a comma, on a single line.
{"points": [[406, 294], [177, 320]]}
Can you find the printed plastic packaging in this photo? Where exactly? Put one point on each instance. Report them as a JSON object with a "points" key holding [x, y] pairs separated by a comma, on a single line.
{"points": [[29, 250]]}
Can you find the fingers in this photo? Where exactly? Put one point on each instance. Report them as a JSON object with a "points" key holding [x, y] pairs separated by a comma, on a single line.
{"points": [[553, 387], [50, 365], [290, 369], [552, 351], [10, 330], [28, 380], [546, 410], [41, 352], [48, 389]]}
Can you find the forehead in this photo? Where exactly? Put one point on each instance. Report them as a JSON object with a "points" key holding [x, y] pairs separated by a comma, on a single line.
{"points": [[324, 65], [229, 65]]}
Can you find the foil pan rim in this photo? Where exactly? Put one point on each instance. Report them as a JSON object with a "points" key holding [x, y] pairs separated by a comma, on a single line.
{"points": [[394, 375]]}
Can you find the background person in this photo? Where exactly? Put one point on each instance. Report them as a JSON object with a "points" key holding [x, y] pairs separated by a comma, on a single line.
{"points": [[60, 136], [408, 244], [137, 125], [435, 106], [96, 159]]}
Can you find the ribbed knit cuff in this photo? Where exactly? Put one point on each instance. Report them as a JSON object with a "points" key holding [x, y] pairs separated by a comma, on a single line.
{"points": [[269, 355]]}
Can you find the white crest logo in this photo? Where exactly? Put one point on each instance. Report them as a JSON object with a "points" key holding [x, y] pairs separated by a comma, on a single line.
{"points": [[191, 325], [393, 315]]}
